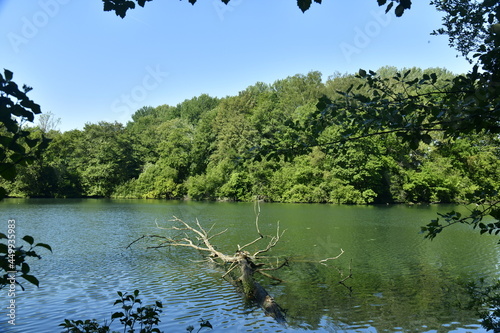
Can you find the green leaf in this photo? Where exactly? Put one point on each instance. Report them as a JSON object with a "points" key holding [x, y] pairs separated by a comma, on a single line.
{"points": [[31, 279], [8, 171], [3, 193], [3, 236], [304, 4], [362, 73], [25, 268], [381, 2], [8, 74], [28, 239], [48, 247], [495, 213], [4, 248], [389, 6], [399, 10], [117, 315]]}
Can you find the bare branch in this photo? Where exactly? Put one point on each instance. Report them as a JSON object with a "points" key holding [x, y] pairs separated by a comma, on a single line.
{"points": [[251, 243], [342, 282], [272, 243], [270, 276], [333, 258], [217, 234], [147, 236], [256, 208], [283, 264], [233, 266]]}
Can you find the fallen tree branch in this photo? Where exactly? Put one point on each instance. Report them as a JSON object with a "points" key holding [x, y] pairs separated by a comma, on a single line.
{"points": [[193, 235], [334, 258]]}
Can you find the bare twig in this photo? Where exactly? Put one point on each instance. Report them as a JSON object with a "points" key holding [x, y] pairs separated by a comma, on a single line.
{"points": [[270, 276], [256, 208], [272, 243], [333, 258], [147, 236]]}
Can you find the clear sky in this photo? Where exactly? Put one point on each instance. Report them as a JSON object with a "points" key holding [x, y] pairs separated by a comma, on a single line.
{"points": [[87, 65]]}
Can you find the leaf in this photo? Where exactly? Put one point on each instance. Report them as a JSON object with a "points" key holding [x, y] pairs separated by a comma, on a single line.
{"points": [[8, 74], [389, 6], [4, 248], [304, 5], [362, 73], [426, 138], [381, 2], [31, 279], [117, 315], [495, 213], [2, 235], [205, 323], [8, 171], [28, 239], [48, 247], [405, 3], [25, 268]]}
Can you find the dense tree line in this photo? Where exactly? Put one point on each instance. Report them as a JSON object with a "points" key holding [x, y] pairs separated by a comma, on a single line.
{"points": [[277, 142]]}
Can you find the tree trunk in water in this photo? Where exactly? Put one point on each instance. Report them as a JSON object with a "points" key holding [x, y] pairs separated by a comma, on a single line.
{"points": [[255, 292]]}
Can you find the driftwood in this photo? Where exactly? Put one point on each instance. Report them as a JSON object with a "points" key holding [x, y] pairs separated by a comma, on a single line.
{"points": [[241, 266]]}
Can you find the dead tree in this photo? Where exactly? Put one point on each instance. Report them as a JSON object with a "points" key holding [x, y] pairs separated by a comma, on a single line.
{"points": [[243, 264]]}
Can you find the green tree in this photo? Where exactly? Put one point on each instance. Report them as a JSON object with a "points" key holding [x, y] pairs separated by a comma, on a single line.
{"points": [[17, 147], [105, 158]]}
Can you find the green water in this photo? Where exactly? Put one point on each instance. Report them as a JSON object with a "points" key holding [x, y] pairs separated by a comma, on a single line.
{"points": [[400, 282]]}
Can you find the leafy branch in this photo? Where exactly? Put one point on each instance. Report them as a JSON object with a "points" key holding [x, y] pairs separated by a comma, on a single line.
{"points": [[14, 260]]}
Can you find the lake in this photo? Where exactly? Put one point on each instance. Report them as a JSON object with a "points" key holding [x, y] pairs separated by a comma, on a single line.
{"points": [[400, 281]]}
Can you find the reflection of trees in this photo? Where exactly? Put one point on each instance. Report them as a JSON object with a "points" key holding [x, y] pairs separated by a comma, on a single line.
{"points": [[424, 297]]}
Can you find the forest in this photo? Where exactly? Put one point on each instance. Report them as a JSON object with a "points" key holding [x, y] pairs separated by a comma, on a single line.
{"points": [[295, 140]]}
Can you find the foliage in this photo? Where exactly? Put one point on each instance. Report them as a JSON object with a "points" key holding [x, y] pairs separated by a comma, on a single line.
{"points": [[18, 147], [13, 259], [134, 317], [484, 299], [120, 7], [476, 219], [346, 140], [132, 314]]}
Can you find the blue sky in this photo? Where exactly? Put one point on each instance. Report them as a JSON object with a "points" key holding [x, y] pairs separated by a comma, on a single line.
{"points": [[87, 65]]}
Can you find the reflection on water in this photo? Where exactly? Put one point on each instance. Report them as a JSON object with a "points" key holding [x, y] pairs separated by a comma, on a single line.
{"points": [[401, 283]]}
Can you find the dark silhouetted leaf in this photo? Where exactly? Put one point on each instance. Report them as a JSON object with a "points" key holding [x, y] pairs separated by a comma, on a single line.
{"points": [[399, 10], [28, 239], [46, 246], [304, 4], [389, 6], [8, 74], [31, 279]]}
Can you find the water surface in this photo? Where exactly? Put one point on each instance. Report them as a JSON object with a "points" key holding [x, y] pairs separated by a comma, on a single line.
{"points": [[400, 282]]}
